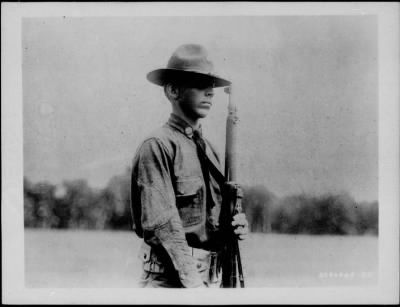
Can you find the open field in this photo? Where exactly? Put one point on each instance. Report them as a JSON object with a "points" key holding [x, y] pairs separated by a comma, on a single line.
{"points": [[99, 259]]}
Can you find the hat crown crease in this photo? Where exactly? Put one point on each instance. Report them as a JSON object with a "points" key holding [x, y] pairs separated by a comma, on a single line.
{"points": [[191, 58]]}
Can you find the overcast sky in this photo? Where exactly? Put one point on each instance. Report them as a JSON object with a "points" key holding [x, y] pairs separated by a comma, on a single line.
{"points": [[306, 89]]}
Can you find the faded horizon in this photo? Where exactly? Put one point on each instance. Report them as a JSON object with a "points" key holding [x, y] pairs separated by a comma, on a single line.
{"points": [[306, 89]]}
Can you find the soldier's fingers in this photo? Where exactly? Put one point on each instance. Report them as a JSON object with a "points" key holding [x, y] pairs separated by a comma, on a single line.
{"points": [[240, 224], [241, 230], [240, 220], [239, 216]]}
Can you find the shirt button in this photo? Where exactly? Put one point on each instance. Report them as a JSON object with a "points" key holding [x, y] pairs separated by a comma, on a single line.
{"points": [[188, 131]]}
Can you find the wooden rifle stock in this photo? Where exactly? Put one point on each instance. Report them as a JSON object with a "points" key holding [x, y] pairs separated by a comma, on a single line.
{"points": [[231, 262]]}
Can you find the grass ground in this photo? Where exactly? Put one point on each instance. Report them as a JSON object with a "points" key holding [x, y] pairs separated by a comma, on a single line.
{"points": [[97, 259]]}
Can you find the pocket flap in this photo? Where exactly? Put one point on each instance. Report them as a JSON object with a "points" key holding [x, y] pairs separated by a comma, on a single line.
{"points": [[188, 186]]}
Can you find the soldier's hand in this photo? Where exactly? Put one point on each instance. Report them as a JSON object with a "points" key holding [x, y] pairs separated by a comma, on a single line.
{"points": [[241, 226]]}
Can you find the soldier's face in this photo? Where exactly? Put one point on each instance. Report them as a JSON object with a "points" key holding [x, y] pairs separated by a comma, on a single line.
{"points": [[196, 102]]}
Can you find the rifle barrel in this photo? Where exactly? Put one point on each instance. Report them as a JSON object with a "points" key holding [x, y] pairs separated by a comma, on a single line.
{"points": [[230, 145], [232, 252]]}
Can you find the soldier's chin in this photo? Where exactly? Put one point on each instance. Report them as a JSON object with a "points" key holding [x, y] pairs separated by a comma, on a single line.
{"points": [[202, 113]]}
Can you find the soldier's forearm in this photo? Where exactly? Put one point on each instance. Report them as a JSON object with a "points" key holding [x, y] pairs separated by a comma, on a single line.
{"points": [[172, 238]]}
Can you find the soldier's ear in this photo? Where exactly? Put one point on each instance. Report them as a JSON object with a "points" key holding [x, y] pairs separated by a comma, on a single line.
{"points": [[172, 91]]}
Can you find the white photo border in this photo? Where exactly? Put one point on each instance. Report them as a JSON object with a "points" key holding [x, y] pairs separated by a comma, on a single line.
{"points": [[14, 291]]}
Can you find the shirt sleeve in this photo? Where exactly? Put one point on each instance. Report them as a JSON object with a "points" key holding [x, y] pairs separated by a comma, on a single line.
{"points": [[160, 218]]}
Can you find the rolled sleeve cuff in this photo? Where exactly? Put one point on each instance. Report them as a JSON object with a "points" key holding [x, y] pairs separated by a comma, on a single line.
{"points": [[172, 238]]}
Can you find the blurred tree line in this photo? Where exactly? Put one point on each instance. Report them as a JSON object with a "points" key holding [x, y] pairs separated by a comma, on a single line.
{"points": [[76, 205], [306, 214]]}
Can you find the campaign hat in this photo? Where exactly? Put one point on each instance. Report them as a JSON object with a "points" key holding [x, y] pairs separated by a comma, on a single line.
{"points": [[188, 65]]}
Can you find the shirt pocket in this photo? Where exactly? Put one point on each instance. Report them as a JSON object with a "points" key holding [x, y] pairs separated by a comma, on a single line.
{"points": [[189, 200]]}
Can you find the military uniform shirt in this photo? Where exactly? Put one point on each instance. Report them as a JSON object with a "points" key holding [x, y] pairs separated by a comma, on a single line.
{"points": [[168, 196]]}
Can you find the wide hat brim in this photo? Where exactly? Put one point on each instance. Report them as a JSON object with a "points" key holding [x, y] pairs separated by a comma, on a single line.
{"points": [[166, 75]]}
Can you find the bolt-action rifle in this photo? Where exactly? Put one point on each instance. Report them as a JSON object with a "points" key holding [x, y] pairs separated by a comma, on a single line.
{"points": [[231, 264]]}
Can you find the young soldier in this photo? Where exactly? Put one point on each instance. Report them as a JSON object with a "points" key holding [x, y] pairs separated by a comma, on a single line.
{"points": [[176, 200]]}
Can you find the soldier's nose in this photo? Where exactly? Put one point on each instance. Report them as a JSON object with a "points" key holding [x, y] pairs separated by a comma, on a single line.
{"points": [[210, 92]]}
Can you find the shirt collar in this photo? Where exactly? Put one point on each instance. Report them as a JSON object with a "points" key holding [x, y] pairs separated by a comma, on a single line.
{"points": [[181, 125]]}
